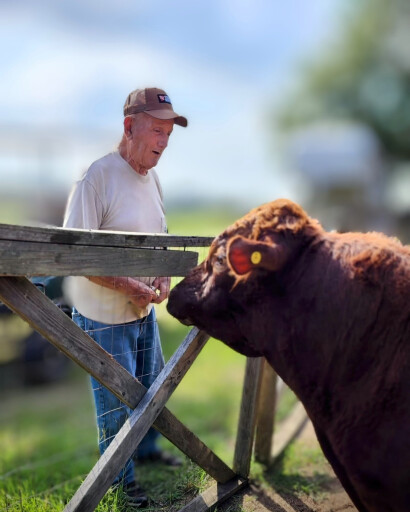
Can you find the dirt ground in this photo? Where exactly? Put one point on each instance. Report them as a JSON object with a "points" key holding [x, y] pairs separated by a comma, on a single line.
{"points": [[255, 499]]}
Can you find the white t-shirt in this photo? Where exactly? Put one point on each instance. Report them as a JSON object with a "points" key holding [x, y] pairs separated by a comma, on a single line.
{"points": [[112, 196]]}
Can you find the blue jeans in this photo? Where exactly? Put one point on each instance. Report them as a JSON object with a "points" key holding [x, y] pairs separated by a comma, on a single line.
{"points": [[136, 346]]}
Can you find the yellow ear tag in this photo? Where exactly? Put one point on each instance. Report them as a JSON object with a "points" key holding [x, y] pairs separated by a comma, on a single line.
{"points": [[256, 257]]}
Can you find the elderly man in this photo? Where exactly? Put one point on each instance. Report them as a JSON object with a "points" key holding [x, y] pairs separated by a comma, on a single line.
{"points": [[121, 192]]}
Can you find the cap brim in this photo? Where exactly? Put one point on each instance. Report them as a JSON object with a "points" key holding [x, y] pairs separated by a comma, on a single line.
{"points": [[168, 114]]}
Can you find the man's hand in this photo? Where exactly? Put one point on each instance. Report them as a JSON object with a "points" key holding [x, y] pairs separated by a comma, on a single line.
{"points": [[141, 294], [162, 284]]}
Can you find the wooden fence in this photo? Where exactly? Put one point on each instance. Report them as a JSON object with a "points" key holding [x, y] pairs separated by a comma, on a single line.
{"points": [[32, 251]]}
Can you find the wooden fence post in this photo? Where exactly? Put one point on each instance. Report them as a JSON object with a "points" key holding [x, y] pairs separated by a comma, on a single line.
{"points": [[247, 417], [265, 423]]}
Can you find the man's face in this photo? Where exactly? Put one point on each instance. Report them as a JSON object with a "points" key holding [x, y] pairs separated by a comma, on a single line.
{"points": [[149, 139]]}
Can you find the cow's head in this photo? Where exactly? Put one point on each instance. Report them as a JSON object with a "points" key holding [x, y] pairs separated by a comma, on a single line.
{"points": [[232, 294]]}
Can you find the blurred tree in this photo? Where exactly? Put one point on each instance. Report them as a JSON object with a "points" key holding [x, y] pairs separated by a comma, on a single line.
{"points": [[364, 76]]}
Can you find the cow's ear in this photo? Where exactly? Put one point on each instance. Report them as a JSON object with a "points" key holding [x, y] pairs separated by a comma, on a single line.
{"points": [[244, 255]]}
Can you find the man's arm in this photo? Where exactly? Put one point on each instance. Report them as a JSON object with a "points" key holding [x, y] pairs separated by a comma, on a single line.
{"points": [[138, 293]]}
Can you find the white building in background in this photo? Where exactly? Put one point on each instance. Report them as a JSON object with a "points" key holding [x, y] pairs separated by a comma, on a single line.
{"points": [[343, 166]]}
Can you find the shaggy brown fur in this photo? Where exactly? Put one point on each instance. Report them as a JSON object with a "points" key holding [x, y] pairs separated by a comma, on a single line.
{"points": [[331, 313]]}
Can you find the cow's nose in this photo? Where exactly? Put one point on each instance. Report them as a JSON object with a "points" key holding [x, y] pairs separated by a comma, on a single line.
{"points": [[178, 308], [172, 305]]}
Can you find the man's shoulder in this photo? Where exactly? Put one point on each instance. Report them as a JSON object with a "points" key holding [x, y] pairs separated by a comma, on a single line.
{"points": [[102, 166], [105, 161]]}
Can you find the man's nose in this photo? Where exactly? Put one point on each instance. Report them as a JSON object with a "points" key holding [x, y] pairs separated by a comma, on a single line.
{"points": [[163, 141]]}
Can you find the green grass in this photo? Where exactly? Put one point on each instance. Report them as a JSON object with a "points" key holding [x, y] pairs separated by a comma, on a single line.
{"points": [[202, 222], [48, 437], [300, 469], [46, 447]]}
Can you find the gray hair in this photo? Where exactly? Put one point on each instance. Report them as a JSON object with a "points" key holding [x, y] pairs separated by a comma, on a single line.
{"points": [[138, 118]]}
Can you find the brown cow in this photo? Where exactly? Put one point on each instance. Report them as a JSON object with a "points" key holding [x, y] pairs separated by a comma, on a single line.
{"points": [[331, 313]]}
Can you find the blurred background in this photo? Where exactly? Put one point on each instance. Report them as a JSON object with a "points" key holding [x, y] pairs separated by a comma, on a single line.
{"points": [[296, 99], [306, 100], [303, 100]]}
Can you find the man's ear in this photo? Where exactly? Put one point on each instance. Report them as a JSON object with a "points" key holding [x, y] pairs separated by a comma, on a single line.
{"points": [[128, 126], [244, 255]]}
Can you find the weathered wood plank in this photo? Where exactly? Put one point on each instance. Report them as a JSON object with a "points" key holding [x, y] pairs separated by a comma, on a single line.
{"points": [[266, 415], [247, 417], [56, 235], [20, 295], [214, 496], [39, 259], [125, 442]]}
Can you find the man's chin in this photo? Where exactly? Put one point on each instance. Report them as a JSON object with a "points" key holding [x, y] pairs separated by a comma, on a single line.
{"points": [[152, 164]]}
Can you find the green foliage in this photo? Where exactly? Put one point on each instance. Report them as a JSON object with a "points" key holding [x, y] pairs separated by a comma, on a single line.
{"points": [[364, 75]]}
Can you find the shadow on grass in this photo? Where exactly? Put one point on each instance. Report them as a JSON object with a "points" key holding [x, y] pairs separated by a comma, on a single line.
{"points": [[285, 480], [260, 498], [170, 488], [298, 472]]}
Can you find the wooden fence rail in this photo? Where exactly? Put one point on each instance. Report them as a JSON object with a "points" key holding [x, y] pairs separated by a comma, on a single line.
{"points": [[36, 251], [26, 250]]}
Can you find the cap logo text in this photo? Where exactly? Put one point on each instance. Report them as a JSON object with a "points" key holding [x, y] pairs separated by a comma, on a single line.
{"points": [[164, 98]]}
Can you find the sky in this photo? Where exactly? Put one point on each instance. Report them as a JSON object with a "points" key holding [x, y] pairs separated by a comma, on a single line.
{"points": [[66, 68]]}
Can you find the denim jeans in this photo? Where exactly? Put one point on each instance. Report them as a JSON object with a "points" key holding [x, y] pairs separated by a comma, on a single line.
{"points": [[136, 346]]}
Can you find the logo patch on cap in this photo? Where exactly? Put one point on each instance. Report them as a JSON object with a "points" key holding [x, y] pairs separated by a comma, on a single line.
{"points": [[164, 98]]}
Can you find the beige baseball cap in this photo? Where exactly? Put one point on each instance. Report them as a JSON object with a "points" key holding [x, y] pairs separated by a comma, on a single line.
{"points": [[154, 102]]}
